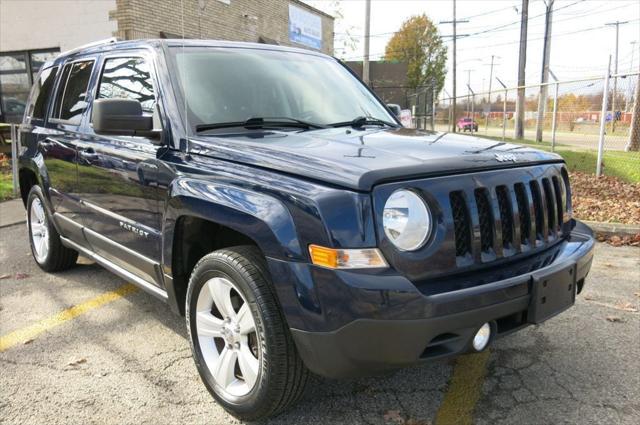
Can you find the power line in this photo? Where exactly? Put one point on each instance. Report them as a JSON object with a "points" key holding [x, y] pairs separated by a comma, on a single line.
{"points": [[588, 29]]}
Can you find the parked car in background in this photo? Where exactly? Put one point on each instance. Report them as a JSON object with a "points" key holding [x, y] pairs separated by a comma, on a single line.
{"points": [[467, 124], [281, 208]]}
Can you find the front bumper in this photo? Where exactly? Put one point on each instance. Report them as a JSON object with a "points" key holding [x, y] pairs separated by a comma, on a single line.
{"points": [[372, 329]]}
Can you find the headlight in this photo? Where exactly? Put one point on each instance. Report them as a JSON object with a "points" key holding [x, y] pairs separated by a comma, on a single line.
{"points": [[406, 220]]}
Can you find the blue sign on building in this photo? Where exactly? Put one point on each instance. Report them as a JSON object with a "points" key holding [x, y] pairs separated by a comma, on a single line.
{"points": [[305, 27]]}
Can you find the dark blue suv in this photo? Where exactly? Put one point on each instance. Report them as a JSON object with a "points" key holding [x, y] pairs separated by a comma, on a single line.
{"points": [[270, 197]]}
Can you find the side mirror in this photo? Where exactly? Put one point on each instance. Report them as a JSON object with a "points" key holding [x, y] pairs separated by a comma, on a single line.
{"points": [[394, 108], [121, 117]]}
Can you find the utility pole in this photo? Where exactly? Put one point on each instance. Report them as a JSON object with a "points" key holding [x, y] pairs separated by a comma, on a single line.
{"points": [[544, 78], [367, 36], [455, 38], [615, 72], [522, 63]]}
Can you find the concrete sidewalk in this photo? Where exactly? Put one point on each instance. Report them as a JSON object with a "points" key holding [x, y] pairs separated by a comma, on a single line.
{"points": [[12, 212]]}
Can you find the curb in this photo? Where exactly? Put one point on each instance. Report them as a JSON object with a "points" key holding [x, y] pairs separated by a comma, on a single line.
{"points": [[613, 229], [15, 223]]}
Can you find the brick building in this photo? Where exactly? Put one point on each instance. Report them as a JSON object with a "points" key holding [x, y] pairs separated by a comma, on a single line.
{"points": [[32, 31]]}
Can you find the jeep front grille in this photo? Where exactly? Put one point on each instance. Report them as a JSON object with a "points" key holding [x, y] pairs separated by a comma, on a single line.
{"points": [[510, 218]]}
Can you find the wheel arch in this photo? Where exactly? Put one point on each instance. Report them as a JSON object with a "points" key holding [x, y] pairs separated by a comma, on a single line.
{"points": [[201, 217]]}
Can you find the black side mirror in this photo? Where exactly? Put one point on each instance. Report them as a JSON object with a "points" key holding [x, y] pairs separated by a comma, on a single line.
{"points": [[121, 117], [394, 108]]}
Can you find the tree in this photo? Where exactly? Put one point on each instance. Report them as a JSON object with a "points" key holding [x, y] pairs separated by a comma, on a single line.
{"points": [[419, 45]]}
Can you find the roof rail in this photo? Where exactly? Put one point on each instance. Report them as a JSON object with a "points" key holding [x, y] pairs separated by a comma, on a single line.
{"points": [[106, 41]]}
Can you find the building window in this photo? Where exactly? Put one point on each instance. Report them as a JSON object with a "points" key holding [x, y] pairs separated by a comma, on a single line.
{"points": [[17, 73]]}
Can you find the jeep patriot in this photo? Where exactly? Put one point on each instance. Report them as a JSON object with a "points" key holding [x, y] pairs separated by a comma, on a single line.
{"points": [[270, 197]]}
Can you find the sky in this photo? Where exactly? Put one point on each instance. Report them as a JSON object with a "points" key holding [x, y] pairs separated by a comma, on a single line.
{"points": [[580, 47]]}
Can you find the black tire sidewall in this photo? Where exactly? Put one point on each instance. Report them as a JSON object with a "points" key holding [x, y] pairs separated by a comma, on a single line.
{"points": [[209, 268]]}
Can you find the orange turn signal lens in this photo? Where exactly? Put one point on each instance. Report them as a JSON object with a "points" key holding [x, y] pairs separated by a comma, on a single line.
{"points": [[346, 258]]}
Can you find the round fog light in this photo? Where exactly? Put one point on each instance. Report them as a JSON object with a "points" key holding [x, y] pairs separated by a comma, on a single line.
{"points": [[481, 339]]}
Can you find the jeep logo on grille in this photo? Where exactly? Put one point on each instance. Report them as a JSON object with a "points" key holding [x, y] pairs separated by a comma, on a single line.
{"points": [[506, 157]]}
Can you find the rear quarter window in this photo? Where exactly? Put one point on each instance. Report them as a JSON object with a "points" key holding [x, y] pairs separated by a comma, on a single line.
{"points": [[71, 100], [41, 94]]}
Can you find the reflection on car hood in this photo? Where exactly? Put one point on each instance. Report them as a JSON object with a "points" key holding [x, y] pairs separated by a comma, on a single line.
{"points": [[358, 159]]}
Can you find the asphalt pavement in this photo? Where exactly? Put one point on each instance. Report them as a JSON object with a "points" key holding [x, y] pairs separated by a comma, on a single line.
{"points": [[84, 347]]}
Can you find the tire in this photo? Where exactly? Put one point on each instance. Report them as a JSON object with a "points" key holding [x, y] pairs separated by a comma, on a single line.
{"points": [[267, 353], [46, 247]]}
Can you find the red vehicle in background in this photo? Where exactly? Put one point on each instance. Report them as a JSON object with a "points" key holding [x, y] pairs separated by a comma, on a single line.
{"points": [[467, 124]]}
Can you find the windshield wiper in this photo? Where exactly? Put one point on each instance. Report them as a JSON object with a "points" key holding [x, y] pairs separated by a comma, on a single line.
{"points": [[261, 122], [361, 121]]}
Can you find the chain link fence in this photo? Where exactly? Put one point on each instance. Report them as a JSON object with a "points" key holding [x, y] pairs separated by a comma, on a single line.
{"points": [[570, 121]]}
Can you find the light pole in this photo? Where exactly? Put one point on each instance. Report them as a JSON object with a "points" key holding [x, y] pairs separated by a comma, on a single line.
{"points": [[615, 72], [504, 109], [555, 111], [486, 126]]}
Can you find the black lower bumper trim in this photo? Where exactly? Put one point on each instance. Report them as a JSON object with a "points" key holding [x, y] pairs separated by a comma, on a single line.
{"points": [[366, 346]]}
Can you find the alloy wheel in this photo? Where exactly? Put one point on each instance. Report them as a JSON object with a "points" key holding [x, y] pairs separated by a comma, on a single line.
{"points": [[226, 332], [39, 230]]}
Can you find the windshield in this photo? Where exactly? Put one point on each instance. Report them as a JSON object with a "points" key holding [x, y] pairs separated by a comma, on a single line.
{"points": [[223, 85]]}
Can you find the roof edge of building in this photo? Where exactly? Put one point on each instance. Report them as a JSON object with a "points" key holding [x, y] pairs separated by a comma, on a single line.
{"points": [[315, 10]]}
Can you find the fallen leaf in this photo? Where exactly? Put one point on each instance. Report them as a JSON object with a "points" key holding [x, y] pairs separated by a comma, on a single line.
{"points": [[77, 362], [5, 276], [28, 341], [613, 319], [637, 294], [393, 416], [588, 297], [625, 306], [20, 276]]}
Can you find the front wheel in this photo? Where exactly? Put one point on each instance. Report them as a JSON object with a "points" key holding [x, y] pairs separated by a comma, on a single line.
{"points": [[240, 341]]}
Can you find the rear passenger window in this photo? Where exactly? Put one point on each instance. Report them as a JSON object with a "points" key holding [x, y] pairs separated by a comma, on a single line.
{"points": [[72, 91], [127, 78], [42, 90]]}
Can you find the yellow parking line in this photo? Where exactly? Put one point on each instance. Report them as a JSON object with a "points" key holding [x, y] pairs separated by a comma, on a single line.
{"points": [[464, 390], [19, 336]]}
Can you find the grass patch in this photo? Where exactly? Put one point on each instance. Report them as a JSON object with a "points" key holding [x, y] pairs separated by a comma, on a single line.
{"points": [[624, 165], [6, 186]]}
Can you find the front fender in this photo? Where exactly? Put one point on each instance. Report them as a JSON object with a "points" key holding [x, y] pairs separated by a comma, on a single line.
{"points": [[259, 216]]}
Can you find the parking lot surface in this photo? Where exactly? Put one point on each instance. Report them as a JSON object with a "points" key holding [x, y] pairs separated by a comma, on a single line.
{"points": [[84, 347]]}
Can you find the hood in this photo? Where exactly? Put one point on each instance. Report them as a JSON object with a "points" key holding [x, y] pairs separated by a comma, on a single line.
{"points": [[359, 159]]}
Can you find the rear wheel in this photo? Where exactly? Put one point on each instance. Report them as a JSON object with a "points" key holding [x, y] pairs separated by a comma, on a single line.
{"points": [[240, 341], [46, 247]]}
